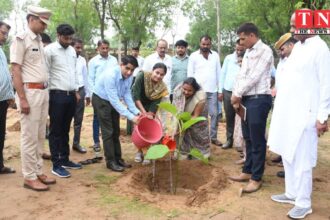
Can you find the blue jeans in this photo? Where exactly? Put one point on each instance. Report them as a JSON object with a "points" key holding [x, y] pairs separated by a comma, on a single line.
{"points": [[254, 129], [212, 107]]}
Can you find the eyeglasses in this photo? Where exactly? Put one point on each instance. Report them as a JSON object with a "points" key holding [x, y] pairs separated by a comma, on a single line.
{"points": [[4, 33]]}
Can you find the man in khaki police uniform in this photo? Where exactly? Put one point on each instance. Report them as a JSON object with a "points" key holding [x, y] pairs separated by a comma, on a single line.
{"points": [[30, 80]]}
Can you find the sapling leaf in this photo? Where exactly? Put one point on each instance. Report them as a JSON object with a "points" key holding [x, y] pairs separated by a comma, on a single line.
{"points": [[198, 155], [156, 152], [191, 122], [184, 116], [168, 107]]}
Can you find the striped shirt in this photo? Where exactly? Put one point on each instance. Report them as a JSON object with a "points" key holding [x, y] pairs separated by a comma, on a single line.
{"points": [[6, 86], [254, 76]]}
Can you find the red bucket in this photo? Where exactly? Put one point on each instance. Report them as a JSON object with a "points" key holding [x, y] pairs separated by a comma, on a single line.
{"points": [[147, 132]]}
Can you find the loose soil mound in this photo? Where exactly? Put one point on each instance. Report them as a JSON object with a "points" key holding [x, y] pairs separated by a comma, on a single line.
{"points": [[197, 184]]}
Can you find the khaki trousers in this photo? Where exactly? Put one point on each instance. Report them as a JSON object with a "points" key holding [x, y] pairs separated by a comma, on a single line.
{"points": [[33, 131]]}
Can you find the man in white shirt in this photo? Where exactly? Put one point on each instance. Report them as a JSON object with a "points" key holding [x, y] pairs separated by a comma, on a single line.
{"points": [[160, 56], [204, 66], [95, 67], [252, 89], [300, 115], [83, 92], [61, 61]]}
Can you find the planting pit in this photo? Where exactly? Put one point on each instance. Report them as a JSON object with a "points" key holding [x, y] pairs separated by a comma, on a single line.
{"points": [[198, 183]]}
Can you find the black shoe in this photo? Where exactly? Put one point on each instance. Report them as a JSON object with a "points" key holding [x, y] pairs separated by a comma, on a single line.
{"points": [[122, 163], [114, 166], [79, 148], [227, 145], [280, 174], [216, 142]]}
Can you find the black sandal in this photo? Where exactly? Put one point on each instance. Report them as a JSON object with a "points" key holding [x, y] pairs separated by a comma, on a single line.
{"points": [[7, 170], [90, 161]]}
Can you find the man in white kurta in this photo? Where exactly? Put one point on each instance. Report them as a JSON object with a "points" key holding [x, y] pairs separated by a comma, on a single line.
{"points": [[300, 114]]}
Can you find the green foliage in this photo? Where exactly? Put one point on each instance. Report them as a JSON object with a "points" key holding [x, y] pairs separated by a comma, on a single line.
{"points": [[184, 116], [271, 16], [6, 6], [156, 152], [135, 20], [168, 107], [78, 13], [198, 155], [191, 122]]}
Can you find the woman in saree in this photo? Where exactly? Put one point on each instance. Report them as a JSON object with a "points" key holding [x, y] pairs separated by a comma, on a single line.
{"points": [[147, 91], [189, 97]]}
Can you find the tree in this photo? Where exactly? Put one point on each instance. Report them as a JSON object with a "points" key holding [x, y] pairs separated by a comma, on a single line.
{"points": [[204, 18], [100, 7], [271, 17], [135, 20], [6, 6], [77, 13]]}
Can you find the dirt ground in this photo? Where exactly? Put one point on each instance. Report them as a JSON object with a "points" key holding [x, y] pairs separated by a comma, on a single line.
{"points": [[203, 191]]}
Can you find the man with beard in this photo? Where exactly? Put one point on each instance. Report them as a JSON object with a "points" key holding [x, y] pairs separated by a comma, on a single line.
{"points": [[61, 61], [30, 80], [179, 64], [204, 66], [300, 115]]}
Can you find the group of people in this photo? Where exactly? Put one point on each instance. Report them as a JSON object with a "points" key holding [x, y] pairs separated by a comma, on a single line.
{"points": [[55, 80], [52, 79]]}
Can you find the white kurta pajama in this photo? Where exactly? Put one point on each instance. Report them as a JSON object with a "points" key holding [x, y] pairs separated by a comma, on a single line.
{"points": [[303, 97]]}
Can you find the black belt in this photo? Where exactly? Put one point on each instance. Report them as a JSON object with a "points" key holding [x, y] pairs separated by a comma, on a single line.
{"points": [[256, 96], [56, 91]]}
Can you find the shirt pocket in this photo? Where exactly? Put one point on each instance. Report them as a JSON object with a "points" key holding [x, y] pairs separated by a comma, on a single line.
{"points": [[33, 55]]}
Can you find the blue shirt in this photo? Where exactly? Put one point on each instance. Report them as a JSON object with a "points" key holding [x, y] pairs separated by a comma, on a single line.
{"points": [[6, 86], [179, 71], [97, 65], [230, 69], [113, 87]]}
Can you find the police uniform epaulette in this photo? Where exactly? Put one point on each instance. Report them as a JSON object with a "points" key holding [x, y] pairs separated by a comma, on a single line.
{"points": [[21, 35]]}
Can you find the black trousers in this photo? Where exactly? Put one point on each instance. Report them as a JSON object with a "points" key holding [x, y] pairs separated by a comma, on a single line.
{"points": [[3, 117], [230, 115], [109, 122], [62, 107], [78, 117], [254, 129]]}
